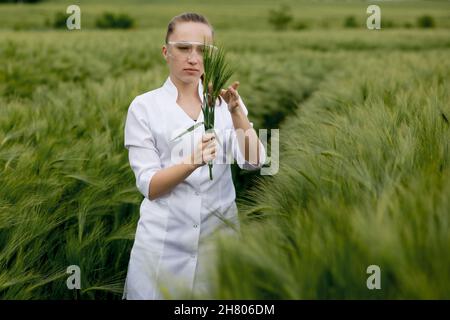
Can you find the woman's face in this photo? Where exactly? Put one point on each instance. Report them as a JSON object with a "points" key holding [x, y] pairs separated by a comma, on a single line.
{"points": [[185, 61]]}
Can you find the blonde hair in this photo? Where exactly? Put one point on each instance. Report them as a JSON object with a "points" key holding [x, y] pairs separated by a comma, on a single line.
{"points": [[186, 17]]}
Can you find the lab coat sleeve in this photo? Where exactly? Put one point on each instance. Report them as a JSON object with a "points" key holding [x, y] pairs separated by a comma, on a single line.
{"points": [[239, 156], [143, 155]]}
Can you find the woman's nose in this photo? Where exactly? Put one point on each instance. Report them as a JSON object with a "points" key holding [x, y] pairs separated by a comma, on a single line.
{"points": [[192, 58]]}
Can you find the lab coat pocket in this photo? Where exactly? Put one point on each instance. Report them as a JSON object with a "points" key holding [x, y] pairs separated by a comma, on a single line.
{"points": [[153, 223]]}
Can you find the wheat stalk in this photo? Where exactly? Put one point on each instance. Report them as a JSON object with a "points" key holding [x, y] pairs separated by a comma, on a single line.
{"points": [[217, 73]]}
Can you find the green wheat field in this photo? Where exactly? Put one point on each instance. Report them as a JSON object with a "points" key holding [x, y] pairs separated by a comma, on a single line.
{"points": [[364, 175]]}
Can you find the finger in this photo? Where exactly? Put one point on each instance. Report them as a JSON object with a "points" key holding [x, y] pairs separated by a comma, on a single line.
{"points": [[207, 145], [210, 145], [233, 91], [207, 137], [208, 156], [235, 85], [225, 95], [212, 155], [211, 140]]}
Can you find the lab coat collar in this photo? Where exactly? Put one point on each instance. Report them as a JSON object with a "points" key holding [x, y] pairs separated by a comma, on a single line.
{"points": [[173, 91]]}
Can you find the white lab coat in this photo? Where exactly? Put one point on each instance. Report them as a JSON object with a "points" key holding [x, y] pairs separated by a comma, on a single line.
{"points": [[172, 247]]}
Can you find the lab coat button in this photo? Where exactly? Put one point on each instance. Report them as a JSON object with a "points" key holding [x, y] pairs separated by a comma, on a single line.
{"points": [[195, 226], [197, 193]]}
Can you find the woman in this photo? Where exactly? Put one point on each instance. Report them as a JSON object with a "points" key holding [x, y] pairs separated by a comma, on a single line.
{"points": [[182, 206]]}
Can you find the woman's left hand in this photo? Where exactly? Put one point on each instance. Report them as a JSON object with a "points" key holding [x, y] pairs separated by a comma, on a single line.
{"points": [[231, 97]]}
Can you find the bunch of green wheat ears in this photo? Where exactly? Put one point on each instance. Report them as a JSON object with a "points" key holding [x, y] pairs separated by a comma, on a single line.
{"points": [[216, 73]]}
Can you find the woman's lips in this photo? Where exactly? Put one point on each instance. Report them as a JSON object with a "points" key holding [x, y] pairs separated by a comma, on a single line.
{"points": [[191, 70]]}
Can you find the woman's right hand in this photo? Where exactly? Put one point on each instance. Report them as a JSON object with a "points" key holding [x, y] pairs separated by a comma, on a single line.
{"points": [[205, 150]]}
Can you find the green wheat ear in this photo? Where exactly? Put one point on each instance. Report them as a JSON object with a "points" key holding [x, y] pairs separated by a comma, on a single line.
{"points": [[191, 128], [216, 73]]}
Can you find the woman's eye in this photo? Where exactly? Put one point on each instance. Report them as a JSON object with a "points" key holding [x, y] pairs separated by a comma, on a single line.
{"points": [[183, 48]]}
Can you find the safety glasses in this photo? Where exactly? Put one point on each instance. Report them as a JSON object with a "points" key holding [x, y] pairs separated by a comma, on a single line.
{"points": [[186, 48]]}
